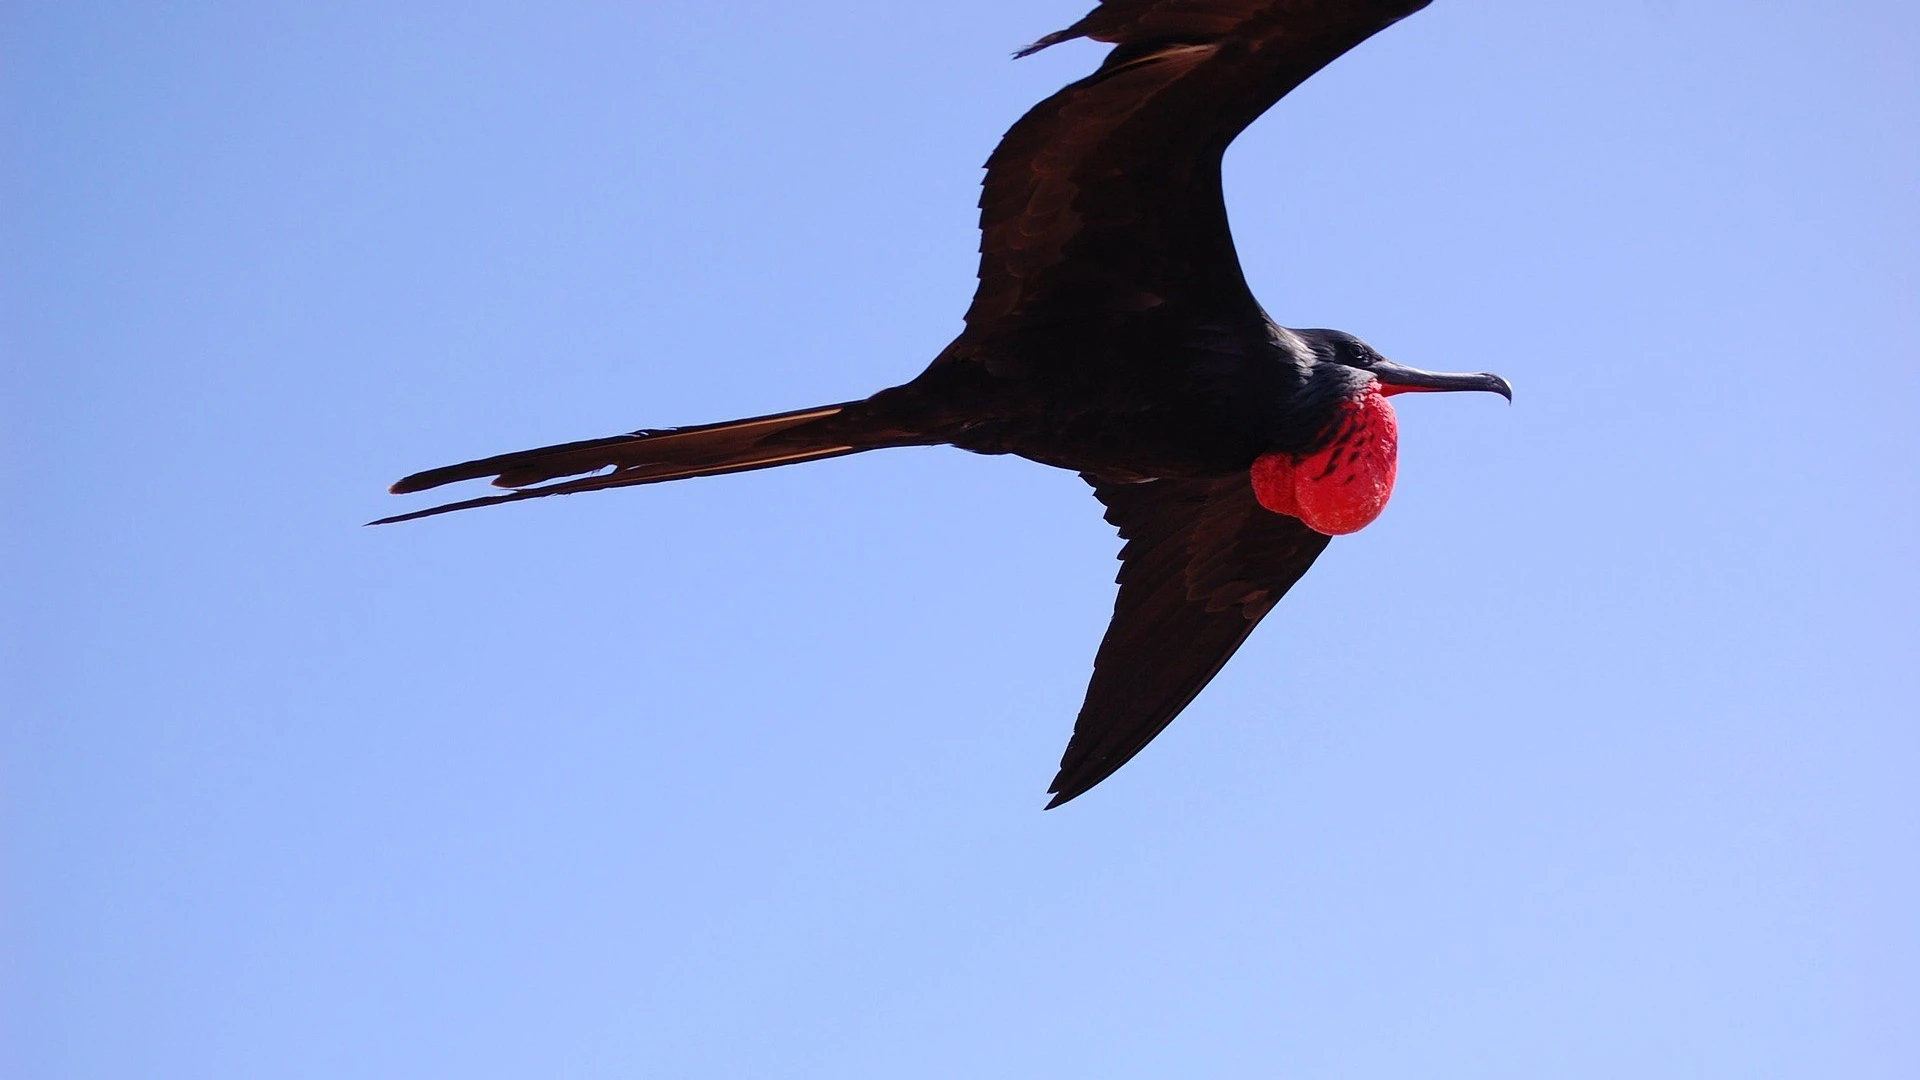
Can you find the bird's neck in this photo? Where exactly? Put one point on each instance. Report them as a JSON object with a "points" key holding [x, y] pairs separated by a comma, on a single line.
{"points": [[1343, 485]]}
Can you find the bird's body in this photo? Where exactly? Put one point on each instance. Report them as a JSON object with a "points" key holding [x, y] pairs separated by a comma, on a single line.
{"points": [[1114, 335]]}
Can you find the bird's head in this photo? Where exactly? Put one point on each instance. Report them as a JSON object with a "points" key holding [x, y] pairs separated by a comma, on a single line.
{"points": [[1341, 480]]}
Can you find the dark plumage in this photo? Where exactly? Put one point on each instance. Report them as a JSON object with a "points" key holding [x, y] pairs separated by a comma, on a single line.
{"points": [[1113, 334]]}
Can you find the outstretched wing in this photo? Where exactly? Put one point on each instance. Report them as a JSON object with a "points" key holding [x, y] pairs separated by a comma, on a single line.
{"points": [[1106, 196], [1203, 562]]}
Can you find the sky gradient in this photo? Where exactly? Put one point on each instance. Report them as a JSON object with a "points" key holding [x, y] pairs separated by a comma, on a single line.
{"points": [[1594, 757]]}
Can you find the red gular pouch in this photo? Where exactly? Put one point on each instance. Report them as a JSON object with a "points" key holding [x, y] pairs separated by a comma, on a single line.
{"points": [[1339, 489]]}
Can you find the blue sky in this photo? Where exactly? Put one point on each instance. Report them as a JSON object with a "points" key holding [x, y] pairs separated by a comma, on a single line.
{"points": [[1594, 757]]}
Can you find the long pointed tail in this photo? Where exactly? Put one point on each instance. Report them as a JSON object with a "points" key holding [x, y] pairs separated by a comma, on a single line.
{"points": [[650, 457]]}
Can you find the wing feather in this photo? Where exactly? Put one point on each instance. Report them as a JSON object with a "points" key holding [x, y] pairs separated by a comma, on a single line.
{"points": [[1203, 562], [1106, 196]]}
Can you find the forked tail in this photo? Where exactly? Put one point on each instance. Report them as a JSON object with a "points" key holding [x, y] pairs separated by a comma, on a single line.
{"points": [[650, 457]]}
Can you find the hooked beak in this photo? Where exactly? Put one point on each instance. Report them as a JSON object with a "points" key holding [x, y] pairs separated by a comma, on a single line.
{"points": [[1401, 379]]}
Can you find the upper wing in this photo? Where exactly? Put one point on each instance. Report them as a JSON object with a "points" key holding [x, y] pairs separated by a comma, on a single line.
{"points": [[1106, 196], [1203, 562]]}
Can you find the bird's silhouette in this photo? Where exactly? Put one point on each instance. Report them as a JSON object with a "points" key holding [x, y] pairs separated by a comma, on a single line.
{"points": [[1113, 334]]}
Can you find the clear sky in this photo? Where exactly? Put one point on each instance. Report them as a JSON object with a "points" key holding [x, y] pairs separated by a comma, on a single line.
{"points": [[1595, 757]]}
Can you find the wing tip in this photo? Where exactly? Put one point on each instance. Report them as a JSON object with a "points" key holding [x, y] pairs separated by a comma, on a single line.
{"points": [[1069, 784], [1049, 41]]}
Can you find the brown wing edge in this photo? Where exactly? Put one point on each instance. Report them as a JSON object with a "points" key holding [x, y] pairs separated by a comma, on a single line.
{"points": [[1202, 564], [1106, 195], [1130, 22]]}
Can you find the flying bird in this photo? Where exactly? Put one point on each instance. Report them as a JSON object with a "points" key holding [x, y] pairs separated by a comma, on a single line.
{"points": [[1113, 334]]}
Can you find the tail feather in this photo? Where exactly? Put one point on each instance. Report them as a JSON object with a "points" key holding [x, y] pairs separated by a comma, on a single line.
{"points": [[644, 457]]}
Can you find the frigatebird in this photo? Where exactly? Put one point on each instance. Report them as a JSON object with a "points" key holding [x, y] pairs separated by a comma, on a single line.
{"points": [[1112, 333]]}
